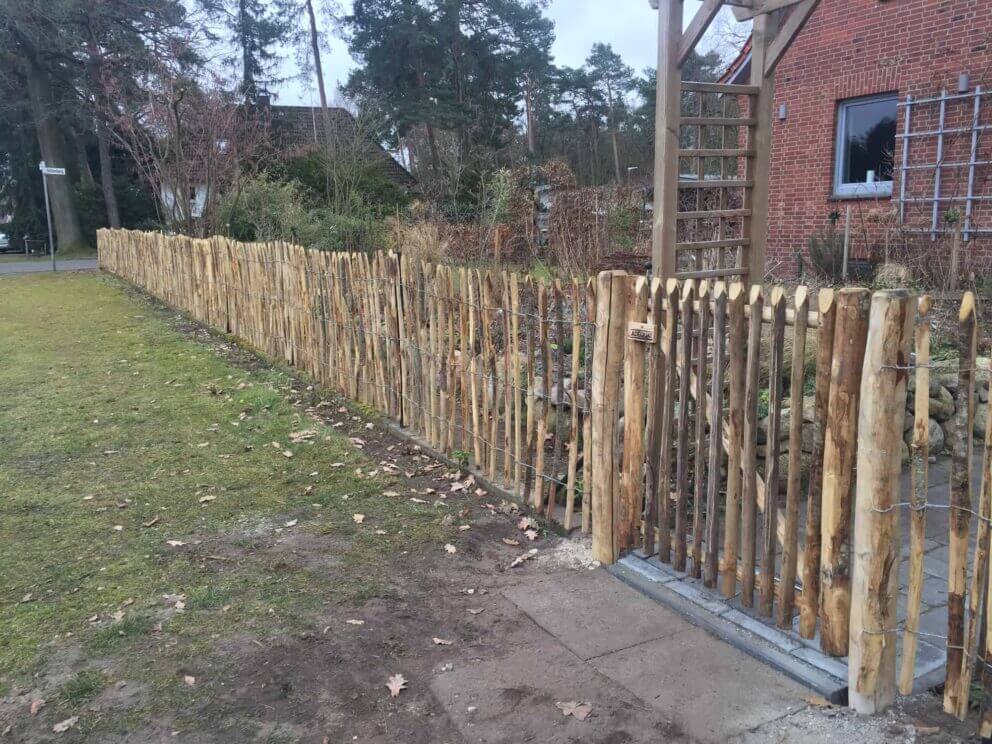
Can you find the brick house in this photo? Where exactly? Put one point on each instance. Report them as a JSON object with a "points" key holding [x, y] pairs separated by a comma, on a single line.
{"points": [[839, 118]]}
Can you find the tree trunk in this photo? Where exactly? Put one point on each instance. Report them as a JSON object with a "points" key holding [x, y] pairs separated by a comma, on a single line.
{"points": [[435, 157], [106, 174], [82, 160], [616, 154], [102, 134], [529, 102], [63, 204], [325, 112]]}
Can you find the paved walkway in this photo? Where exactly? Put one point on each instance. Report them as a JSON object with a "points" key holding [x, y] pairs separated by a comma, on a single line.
{"points": [[649, 674], [32, 267]]}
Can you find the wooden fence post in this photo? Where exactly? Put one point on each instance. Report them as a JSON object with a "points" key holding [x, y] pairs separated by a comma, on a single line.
{"points": [[960, 501], [632, 475], [607, 356], [839, 452], [875, 574], [919, 475], [810, 607]]}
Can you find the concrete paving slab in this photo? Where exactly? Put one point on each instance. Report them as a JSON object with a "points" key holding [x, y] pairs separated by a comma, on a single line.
{"points": [[592, 613], [512, 700], [711, 690]]}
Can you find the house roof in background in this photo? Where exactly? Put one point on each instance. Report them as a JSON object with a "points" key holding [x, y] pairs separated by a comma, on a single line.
{"points": [[301, 126], [739, 71]]}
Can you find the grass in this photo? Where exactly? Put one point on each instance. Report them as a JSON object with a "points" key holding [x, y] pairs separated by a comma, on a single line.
{"points": [[119, 434], [70, 253]]}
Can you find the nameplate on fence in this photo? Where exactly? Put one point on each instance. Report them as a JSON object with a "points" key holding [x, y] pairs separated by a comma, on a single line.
{"points": [[643, 332]]}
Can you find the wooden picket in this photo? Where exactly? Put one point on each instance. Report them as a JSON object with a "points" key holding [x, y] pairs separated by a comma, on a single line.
{"points": [[650, 414]]}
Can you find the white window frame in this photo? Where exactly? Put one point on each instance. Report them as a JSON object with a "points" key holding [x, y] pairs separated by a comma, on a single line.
{"points": [[855, 190]]}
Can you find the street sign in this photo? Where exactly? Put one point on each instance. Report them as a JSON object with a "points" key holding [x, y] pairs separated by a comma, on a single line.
{"points": [[45, 173]]}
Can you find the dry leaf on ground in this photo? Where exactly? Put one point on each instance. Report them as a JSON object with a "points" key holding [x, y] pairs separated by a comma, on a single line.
{"points": [[579, 711], [396, 683], [508, 541], [355, 622], [359, 518], [189, 680], [525, 557], [37, 705], [818, 701], [292, 523], [449, 548], [62, 726], [441, 642]]}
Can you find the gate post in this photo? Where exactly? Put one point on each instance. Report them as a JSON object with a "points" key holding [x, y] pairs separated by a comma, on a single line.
{"points": [[611, 293], [875, 574]]}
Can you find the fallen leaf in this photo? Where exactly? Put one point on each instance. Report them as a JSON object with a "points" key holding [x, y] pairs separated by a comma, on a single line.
{"points": [[287, 453], [525, 557], [292, 522], [463, 527], [476, 610], [174, 543], [441, 642], [579, 711], [526, 523], [63, 726], [355, 622], [118, 528], [37, 705], [390, 493], [359, 518], [449, 548], [396, 683], [150, 523], [508, 541], [531, 534], [206, 499], [189, 680], [818, 701]]}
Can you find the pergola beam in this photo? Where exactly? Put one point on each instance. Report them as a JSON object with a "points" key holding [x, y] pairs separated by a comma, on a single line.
{"points": [[787, 34], [697, 27], [745, 13]]}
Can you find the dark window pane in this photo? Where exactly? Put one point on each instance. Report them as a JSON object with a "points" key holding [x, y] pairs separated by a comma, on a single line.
{"points": [[869, 140]]}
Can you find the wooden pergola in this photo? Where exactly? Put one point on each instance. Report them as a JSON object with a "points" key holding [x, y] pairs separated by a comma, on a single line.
{"points": [[721, 236]]}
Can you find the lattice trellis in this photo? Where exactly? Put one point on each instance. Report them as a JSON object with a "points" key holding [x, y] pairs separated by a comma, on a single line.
{"points": [[945, 164], [711, 222]]}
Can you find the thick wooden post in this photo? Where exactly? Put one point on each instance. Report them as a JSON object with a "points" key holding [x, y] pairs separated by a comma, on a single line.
{"points": [[607, 358], [757, 168], [666, 138], [875, 575], [839, 452]]}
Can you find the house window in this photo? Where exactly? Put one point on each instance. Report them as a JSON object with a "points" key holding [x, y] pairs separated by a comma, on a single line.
{"points": [[866, 141]]}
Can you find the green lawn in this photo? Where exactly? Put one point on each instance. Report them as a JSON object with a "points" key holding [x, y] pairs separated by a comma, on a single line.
{"points": [[117, 435], [63, 255]]}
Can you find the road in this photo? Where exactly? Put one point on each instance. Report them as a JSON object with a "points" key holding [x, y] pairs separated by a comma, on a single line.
{"points": [[31, 267]]}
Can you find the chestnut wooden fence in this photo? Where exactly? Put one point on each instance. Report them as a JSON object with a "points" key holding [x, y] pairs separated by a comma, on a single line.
{"points": [[749, 437]]}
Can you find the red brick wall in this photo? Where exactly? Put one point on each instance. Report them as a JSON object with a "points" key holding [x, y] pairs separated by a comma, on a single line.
{"points": [[854, 48]]}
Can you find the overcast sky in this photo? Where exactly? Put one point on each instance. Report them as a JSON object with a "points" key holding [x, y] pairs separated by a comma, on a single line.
{"points": [[629, 25]]}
